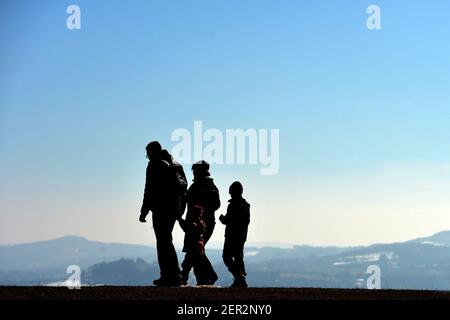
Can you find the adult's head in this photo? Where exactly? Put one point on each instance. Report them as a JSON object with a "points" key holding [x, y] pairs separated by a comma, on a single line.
{"points": [[200, 169], [153, 150], [236, 189]]}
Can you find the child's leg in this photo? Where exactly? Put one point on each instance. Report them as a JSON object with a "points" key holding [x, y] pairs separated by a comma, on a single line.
{"points": [[196, 261], [187, 265], [204, 271], [239, 258], [227, 256]]}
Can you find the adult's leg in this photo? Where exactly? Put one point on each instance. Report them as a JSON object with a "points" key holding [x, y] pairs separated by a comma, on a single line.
{"points": [[167, 256]]}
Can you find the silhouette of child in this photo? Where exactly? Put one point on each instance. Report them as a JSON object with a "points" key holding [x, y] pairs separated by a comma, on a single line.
{"points": [[194, 242], [236, 221]]}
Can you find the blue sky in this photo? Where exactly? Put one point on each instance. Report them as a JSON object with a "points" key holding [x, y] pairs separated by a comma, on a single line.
{"points": [[363, 115]]}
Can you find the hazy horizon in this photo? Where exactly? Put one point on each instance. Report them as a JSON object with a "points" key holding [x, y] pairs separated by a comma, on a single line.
{"points": [[219, 244]]}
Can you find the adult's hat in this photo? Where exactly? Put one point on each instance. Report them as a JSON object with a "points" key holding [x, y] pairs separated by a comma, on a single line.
{"points": [[200, 166]]}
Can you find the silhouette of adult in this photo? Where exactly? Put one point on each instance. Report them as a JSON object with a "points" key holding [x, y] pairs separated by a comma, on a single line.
{"points": [[204, 193], [166, 204]]}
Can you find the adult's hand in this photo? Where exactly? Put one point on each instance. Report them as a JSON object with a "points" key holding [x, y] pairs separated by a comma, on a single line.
{"points": [[143, 215]]}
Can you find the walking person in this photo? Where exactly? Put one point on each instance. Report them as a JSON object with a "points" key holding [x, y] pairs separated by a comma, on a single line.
{"points": [[236, 221], [163, 196], [203, 192]]}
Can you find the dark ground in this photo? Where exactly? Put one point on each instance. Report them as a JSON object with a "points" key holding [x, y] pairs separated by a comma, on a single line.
{"points": [[212, 294]]}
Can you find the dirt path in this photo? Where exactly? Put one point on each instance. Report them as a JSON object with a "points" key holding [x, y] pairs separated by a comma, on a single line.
{"points": [[223, 294]]}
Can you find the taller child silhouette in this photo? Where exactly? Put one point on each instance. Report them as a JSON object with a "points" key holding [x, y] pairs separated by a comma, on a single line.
{"points": [[205, 194]]}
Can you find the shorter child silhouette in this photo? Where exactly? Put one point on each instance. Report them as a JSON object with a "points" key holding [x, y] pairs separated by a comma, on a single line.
{"points": [[194, 241], [236, 221]]}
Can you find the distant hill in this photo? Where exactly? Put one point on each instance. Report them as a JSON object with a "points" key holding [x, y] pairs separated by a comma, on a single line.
{"points": [[61, 252], [64, 251], [422, 263], [438, 239]]}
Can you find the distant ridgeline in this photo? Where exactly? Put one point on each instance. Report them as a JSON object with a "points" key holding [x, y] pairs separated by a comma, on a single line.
{"points": [[417, 264]]}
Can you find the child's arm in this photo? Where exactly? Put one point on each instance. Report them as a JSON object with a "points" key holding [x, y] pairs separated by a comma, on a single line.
{"points": [[224, 218]]}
